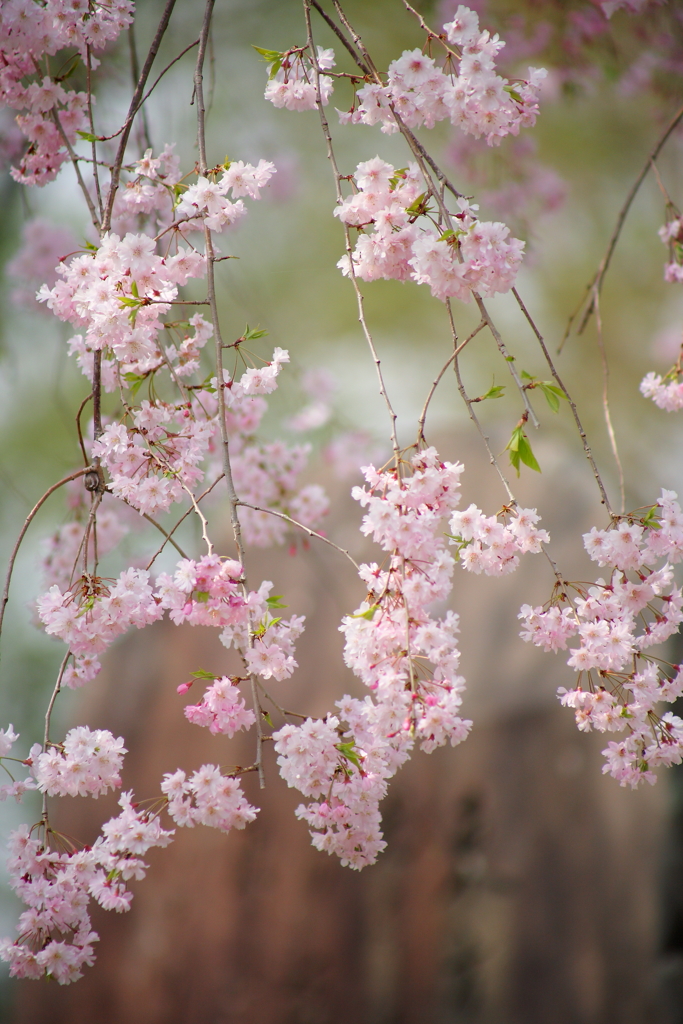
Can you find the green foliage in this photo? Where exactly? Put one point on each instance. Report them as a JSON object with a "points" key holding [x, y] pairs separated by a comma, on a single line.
{"points": [[520, 451]]}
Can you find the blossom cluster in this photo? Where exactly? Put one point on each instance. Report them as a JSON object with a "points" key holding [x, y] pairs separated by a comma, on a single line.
{"points": [[51, 115], [206, 200], [293, 84], [90, 615], [207, 798], [404, 243], [467, 90], [489, 546], [209, 592], [87, 763], [408, 660], [665, 392], [671, 235], [616, 621], [221, 709], [55, 937]]}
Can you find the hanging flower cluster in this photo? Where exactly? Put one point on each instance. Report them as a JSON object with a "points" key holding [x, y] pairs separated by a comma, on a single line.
{"points": [[617, 621]]}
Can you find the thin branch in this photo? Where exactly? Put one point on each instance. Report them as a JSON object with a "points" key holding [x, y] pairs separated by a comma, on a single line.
{"points": [[91, 123], [572, 404], [181, 520], [473, 416], [132, 111], [454, 355], [168, 536], [135, 72], [46, 733], [283, 711], [306, 529], [78, 426], [167, 68], [605, 399], [595, 286], [340, 35], [211, 288], [79, 177], [340, 198], [29, 519]]}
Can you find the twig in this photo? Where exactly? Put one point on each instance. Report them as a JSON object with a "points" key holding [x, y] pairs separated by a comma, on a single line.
{"points": [[473, 416], [205, 525], [572, 404], [605, 398], [347, 236], [595, 286], [91, 123], [27, 523], [79, 177], [168, 536], [78, 426], [132, 111], [340, 35], [283, 711], [454, 355], [181, 520], [135, 72], [211, 288], [46, 733], [306, 529]]}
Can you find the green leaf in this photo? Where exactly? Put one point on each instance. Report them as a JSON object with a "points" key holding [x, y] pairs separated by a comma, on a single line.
{"points": [[495, 391], [272, 57], [203, 674], [398, 175], [268, 55], [202, 596], [418, 206], [649, 518], [347, 751], [369, 613], [275, 601], [88, 136], [551, 398], [134, 289], [526, 376], [520, 451], [450, 233], [251, 335], [513, 92], [134, 381], [266, 715]]}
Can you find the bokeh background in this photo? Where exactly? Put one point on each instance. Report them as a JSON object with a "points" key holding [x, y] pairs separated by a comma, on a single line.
{"points": [[520, 886]]}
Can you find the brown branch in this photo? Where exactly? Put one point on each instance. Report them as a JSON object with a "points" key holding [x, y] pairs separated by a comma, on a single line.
{"points": [[454, 355], [182, 519], [132, 111], [595, 286], [572, 404], [340, 35], [306, 529], [29, 519]]}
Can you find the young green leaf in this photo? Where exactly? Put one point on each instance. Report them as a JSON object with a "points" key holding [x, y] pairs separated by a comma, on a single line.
{"points": [[369, 613], [88, 136], [203, 674], [275, 601], [495, 391], [649, 518], [347, 751], [251, 335], [520, 451]]}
